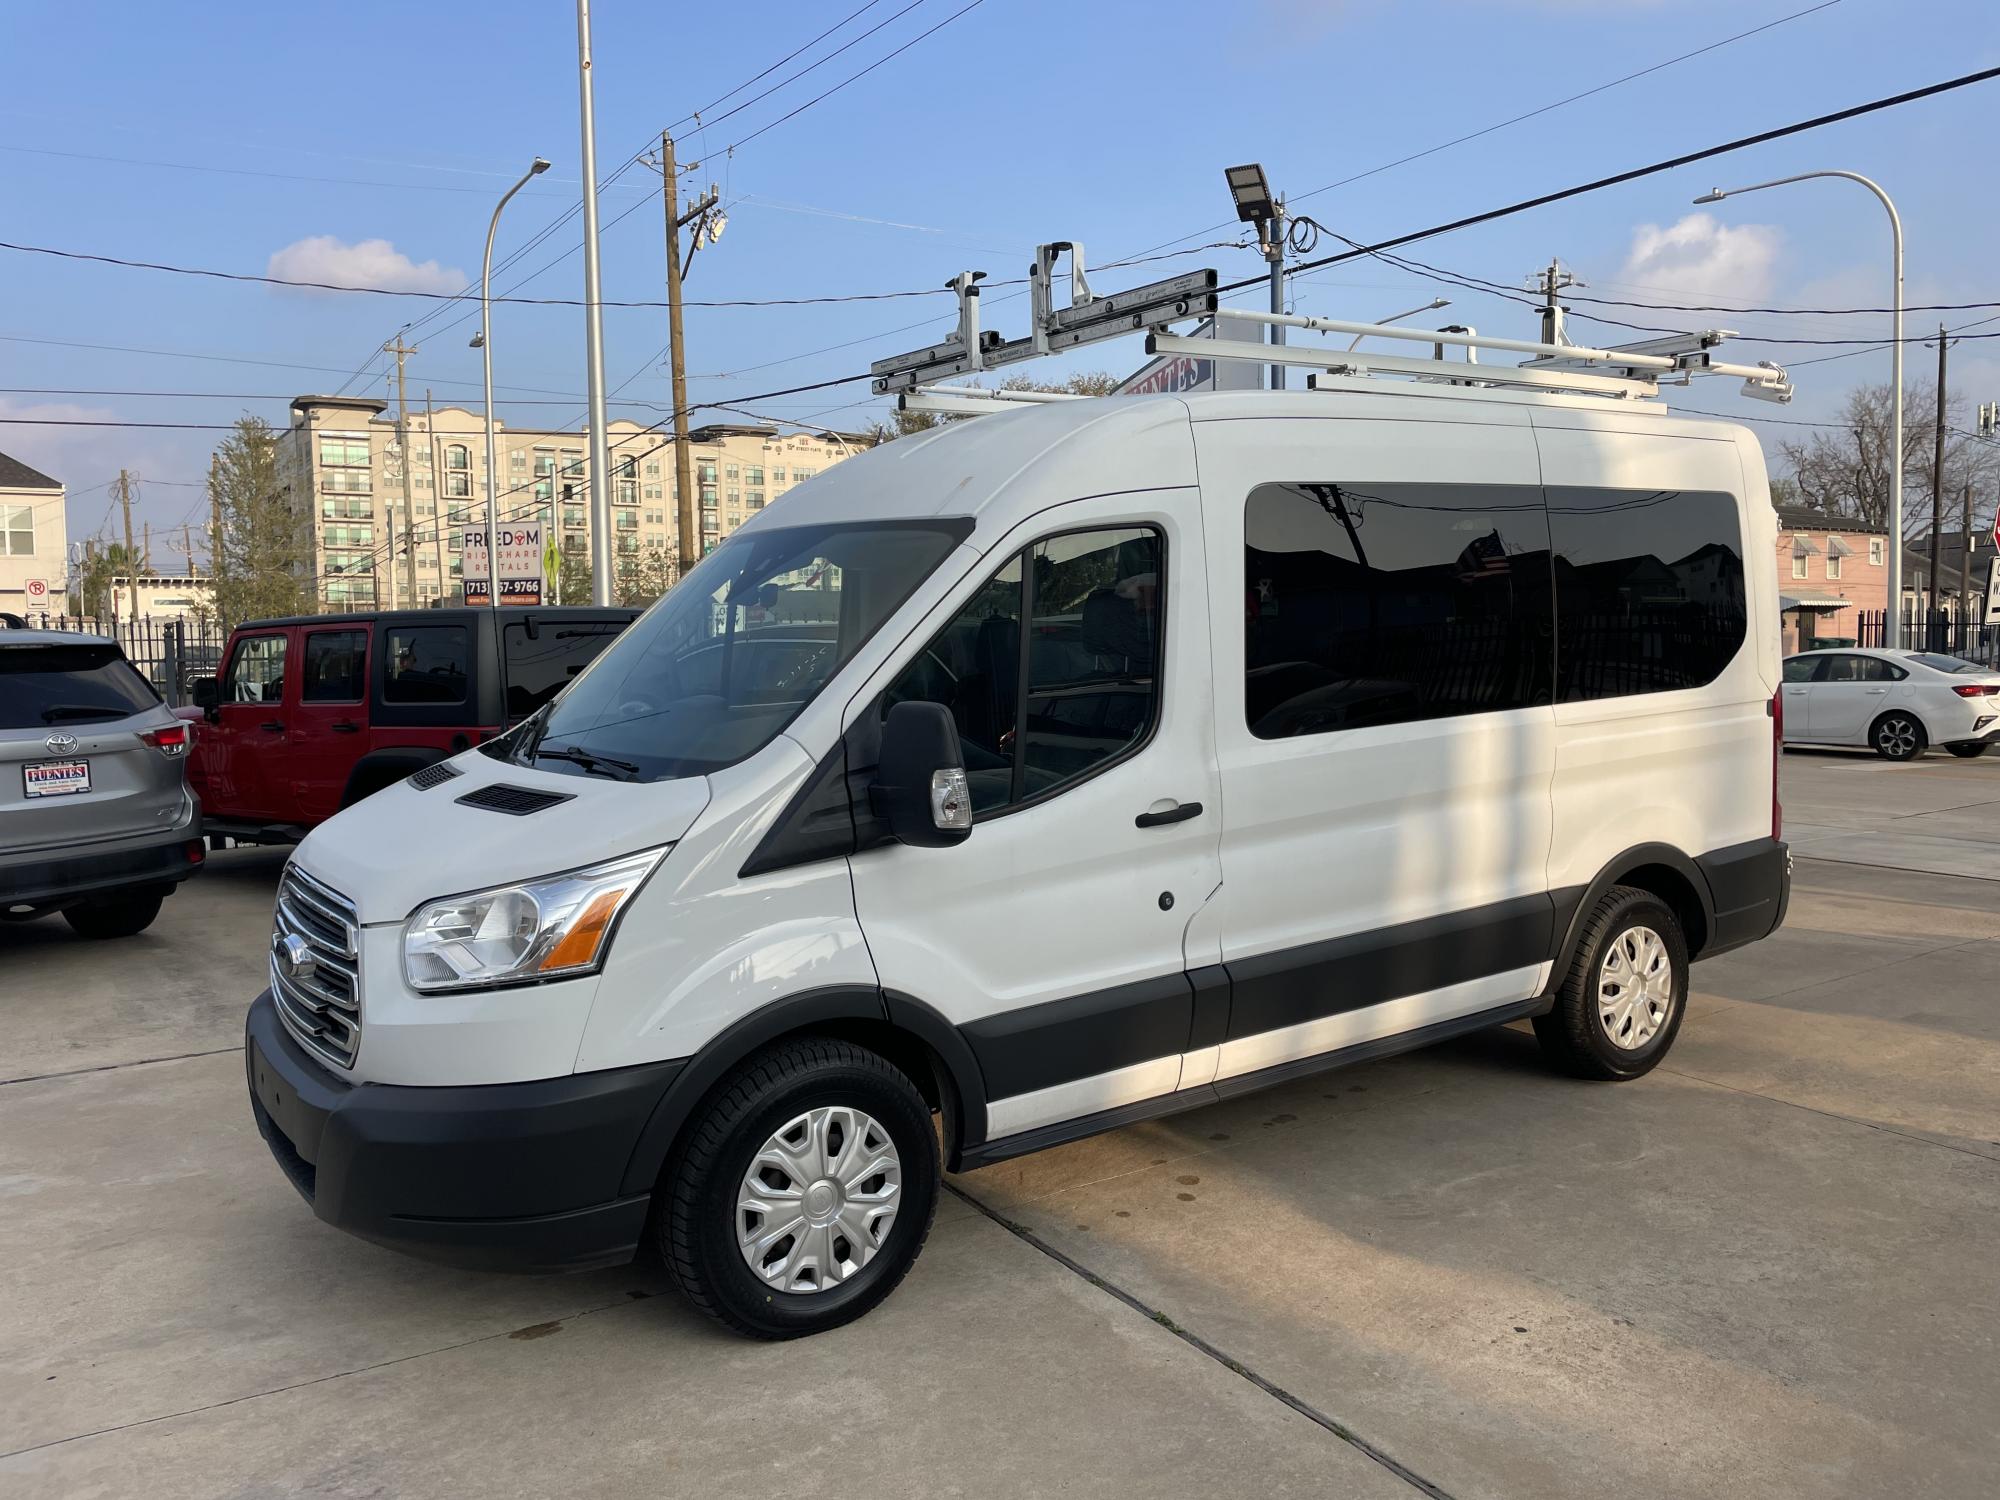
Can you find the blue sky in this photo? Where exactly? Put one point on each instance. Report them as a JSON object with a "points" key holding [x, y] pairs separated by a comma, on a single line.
{"points": [[320, 131]]}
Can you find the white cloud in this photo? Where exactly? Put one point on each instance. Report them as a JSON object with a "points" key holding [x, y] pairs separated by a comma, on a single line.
{"points": [[1697, 254], [325, 258]]}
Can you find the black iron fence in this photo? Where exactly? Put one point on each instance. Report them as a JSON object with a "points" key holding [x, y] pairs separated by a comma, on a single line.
{"points": [[171, 652], [1968, 639]]}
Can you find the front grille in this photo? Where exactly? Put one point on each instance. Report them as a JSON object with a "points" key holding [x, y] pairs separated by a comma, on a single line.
{"points": [[516, 800], [431, 776], [320, 1001]]}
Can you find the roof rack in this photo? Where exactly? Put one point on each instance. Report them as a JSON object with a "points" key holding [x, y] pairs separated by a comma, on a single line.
{"points": [[1623, 373]]}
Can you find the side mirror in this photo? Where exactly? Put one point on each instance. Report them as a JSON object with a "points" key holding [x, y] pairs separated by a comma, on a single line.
{"points": [[206, 694], [920, 788]]}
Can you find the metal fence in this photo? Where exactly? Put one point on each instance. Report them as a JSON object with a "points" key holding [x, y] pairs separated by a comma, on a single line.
{"points": [[1968, 639], [171, 652]]}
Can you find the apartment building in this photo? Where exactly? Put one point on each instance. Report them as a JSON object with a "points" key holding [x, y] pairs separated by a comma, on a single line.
{"points": [[341, 462], [34, 539]]}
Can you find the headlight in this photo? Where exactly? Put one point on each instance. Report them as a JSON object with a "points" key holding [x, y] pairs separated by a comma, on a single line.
{"points": [[541, 929]]}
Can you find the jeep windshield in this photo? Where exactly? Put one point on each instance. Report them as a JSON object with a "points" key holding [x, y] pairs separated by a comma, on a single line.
{"points": [[716, 670]]}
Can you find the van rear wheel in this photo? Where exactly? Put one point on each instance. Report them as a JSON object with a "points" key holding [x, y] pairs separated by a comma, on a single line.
{"points": [[804, 1194], [1620, 1005]]}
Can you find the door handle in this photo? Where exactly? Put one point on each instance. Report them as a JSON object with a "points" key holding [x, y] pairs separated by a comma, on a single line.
{"points": [[1877, 692], [1172, 815], [344, 726], [276, 726]]}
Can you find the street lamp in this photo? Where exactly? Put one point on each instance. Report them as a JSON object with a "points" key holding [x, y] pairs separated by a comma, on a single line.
{"points": [[1892, 628], [1431, 306], [484, 342], [1256, 205]]}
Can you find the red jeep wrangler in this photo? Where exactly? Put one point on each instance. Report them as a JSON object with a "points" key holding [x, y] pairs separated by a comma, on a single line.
{"points": [[312, 714]]}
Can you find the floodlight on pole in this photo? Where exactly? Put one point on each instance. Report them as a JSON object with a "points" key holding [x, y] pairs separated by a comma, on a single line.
{"points": [[1256, 204], [1252, 192], [1892, 612]]}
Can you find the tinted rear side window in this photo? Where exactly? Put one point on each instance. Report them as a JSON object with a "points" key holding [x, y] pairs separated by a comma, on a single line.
{"points": [[538, 666], [42, 686], [336, 667], [427, 664], [1387, 603], [1649, 589]]}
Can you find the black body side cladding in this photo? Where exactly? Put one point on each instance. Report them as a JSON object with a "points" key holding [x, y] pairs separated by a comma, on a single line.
{"points": [[1751, 887], [1039, 1046]]}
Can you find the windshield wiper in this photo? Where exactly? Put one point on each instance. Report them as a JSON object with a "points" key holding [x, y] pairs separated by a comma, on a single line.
{"points": [[622, 770], [56, 711]]}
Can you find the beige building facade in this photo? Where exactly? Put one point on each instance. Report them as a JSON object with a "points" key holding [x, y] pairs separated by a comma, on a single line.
{"points": [[341, 461], [34, 540]]}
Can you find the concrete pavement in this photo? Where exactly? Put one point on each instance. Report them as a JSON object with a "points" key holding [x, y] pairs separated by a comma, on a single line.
{"points": [[1765, 1268]]}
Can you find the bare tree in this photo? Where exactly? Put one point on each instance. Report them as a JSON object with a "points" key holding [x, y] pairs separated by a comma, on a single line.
{"points": [[1844, 471]]}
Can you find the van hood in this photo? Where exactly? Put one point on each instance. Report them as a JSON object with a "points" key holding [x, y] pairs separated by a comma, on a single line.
{"points": [[405, 846]]}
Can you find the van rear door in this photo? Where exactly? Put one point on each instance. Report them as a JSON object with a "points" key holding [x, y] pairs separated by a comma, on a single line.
{"points": [[1382, 640]]}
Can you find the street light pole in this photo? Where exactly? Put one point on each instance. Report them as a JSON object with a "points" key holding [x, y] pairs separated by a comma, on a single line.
{"points": [[486, 360], [1892, 628], [600, 450]]}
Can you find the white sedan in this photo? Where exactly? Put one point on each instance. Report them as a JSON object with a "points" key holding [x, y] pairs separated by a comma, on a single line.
{"points": [[1900, 702]]}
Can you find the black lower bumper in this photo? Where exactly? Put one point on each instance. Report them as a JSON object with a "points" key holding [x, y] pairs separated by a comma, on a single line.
{"points": [[50, 884], [1752, 886], [512, 1176]]}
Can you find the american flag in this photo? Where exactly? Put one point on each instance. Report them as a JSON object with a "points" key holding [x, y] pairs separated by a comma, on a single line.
{"points": [[1483, 557]]}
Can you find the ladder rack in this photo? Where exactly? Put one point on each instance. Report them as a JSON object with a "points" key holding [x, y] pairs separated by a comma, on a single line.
{"points": [[1627, 372]]}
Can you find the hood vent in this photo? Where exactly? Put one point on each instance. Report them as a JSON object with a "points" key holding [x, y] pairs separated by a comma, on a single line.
{"points": [[518, 801], [436, 775]]}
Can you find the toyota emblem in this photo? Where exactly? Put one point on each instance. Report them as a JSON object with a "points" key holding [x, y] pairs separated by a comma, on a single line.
{"points": [[61, 744], [294, 957]]}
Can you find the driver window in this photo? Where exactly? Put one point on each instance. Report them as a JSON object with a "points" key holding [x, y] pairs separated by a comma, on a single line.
{"points": [[256, 671], [1083, 669]]}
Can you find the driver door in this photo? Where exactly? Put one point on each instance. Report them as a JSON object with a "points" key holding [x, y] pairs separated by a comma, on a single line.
{"points": [[246, 743]]}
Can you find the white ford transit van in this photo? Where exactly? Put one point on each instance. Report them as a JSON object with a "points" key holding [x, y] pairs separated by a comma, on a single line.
{"points": [[1030, 777]]}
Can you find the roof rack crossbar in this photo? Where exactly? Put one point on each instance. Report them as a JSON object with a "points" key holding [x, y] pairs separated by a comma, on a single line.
{"points": [[972, 401]]}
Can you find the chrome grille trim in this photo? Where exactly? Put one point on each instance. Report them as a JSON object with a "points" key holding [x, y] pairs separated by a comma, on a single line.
{"points": [[323, 1011]]}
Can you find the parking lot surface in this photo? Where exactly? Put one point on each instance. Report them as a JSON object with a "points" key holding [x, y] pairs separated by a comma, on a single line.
{"points": [[1764, 1269]]}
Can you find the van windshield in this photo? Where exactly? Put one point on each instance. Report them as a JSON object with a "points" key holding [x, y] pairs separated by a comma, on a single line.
{"points": [[715, 670]]}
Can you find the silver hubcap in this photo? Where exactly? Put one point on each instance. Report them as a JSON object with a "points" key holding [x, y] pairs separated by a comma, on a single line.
{"points": [[1897, 736], [1635, 988], [818, 1200]]}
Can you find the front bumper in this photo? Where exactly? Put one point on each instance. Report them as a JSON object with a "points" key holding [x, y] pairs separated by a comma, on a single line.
{"points": [[512, 1176], [158, 859]]}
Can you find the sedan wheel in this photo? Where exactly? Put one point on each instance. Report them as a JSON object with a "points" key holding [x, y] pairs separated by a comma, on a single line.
{"points": [[1898, 736]]}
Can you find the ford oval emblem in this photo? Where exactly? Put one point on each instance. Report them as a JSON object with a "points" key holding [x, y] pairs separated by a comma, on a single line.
{"points": [[61, 744], [294, 957]]}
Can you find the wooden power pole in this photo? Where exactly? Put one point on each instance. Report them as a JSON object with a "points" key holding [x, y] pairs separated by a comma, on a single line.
{"points": [[402, 351], [125, 478], [187, 549], [689, 510]]}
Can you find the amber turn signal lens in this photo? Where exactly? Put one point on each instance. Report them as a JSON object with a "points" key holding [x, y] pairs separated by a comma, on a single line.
{"points": [[586, 934]]}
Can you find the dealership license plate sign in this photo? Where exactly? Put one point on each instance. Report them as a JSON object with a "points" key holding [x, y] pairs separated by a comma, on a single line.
{"points": [[55, 778]]}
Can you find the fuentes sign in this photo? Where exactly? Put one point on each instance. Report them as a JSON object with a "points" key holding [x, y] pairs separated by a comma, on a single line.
{"points": [[522, 580]]}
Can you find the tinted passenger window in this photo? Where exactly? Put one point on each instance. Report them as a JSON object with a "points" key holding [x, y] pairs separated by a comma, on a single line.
{"points": [[1387, 603], [256, 671], [539, 666], [427, 664], [1859, 669], [1649, 589], [335, 667], [1800, 668], [42, 686], [1086, 663]]}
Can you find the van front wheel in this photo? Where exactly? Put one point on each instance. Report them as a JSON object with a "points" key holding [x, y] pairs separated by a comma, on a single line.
{"points": [[804, 1195], [1620, 1005]]}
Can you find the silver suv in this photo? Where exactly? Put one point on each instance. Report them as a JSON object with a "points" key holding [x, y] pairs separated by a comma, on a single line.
{"points": [[96, 820]]}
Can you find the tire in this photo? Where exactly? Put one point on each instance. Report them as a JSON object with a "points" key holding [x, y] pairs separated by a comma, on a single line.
{"points": [[1589, 1040], [1898, 735], [113, 916], [798, 1097], [1970, 749]]}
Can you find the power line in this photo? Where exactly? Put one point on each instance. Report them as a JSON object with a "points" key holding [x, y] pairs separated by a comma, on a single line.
{"points": [[705, 124], [697, 114]]}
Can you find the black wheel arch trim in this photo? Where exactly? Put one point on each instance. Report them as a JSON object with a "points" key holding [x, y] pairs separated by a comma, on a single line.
{"points": [[829, 1005], [1574, 903], [390, 764]]}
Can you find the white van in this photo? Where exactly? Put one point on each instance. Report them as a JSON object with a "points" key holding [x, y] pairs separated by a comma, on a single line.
{"points": [[1033, 776]]}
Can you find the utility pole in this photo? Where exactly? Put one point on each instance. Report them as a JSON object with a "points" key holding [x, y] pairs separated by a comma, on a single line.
{"points": [[146, 549], [1554, 279], [1274, 252], [187, 549], [125, 478], [440, 502], [402, 351], [1937, 483], [1965, 569], [593, 330], [688, 511]]}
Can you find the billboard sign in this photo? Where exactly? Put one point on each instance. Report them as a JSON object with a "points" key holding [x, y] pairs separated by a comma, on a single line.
{"points": [[522, 579], [1170, 374]]}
